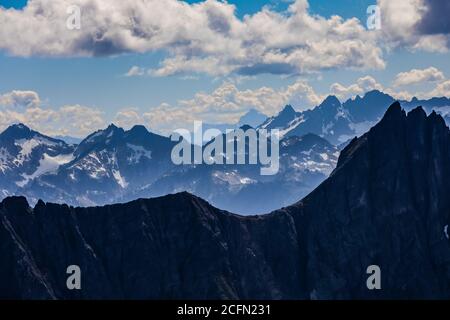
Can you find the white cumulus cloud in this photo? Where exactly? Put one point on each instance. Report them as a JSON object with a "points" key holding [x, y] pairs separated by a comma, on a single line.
{"points": [[206, 37], [416, 76], [227, 104], [25, 107]]}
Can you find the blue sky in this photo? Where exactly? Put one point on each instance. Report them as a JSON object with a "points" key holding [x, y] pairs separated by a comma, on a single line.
{"points": [[100, 82], [344, 8]]}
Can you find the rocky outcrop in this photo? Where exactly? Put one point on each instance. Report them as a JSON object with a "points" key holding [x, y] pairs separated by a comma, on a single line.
{"points": [[386, 204]]}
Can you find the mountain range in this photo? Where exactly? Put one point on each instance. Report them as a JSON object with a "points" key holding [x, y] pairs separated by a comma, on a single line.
{"points": [[117, 165], [339, 122], [385, 204]]}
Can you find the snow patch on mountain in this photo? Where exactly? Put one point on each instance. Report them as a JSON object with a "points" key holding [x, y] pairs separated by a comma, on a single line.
{"points": [[5, 158], [47, 164], [27, 145], [119, 178], [291, 126], [233, 178], [92, 165]]}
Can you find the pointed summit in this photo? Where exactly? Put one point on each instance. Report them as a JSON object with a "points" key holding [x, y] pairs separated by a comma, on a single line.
{"points": [[112, 130], [282, 119], [437, 120], [331, 101], [394, 109], [112, 126], [418, 112], [18, 131], [18, 127], [393, 114], [287, 111]]}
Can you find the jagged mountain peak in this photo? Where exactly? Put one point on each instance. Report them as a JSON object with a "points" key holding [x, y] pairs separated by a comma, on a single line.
{"points": [[18, 131], [331, 100], [288, 109], [112, 128], [419, 112], [112, 132], [19, 137], [394, 111], [399, 126], [282, 119], [22, 132], [14, 202]]}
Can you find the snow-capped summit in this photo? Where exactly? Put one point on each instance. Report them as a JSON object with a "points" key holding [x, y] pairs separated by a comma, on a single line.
{"points": [[106, 165], [281, 120], [17, 131], [330, 102], [114, 164], [339, 122], [287, 111], [26, 154], [326, 120]]}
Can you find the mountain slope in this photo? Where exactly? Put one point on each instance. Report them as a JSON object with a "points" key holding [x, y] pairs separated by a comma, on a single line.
{"points": [[26, 154], [106, 165], [385, 204]]}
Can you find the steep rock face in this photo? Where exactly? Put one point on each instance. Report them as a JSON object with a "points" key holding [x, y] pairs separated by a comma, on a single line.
{"points": [[385, 204]]}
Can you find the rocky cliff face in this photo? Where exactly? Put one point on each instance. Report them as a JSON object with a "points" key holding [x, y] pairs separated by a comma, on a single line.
{"points": [[386, 204]]}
